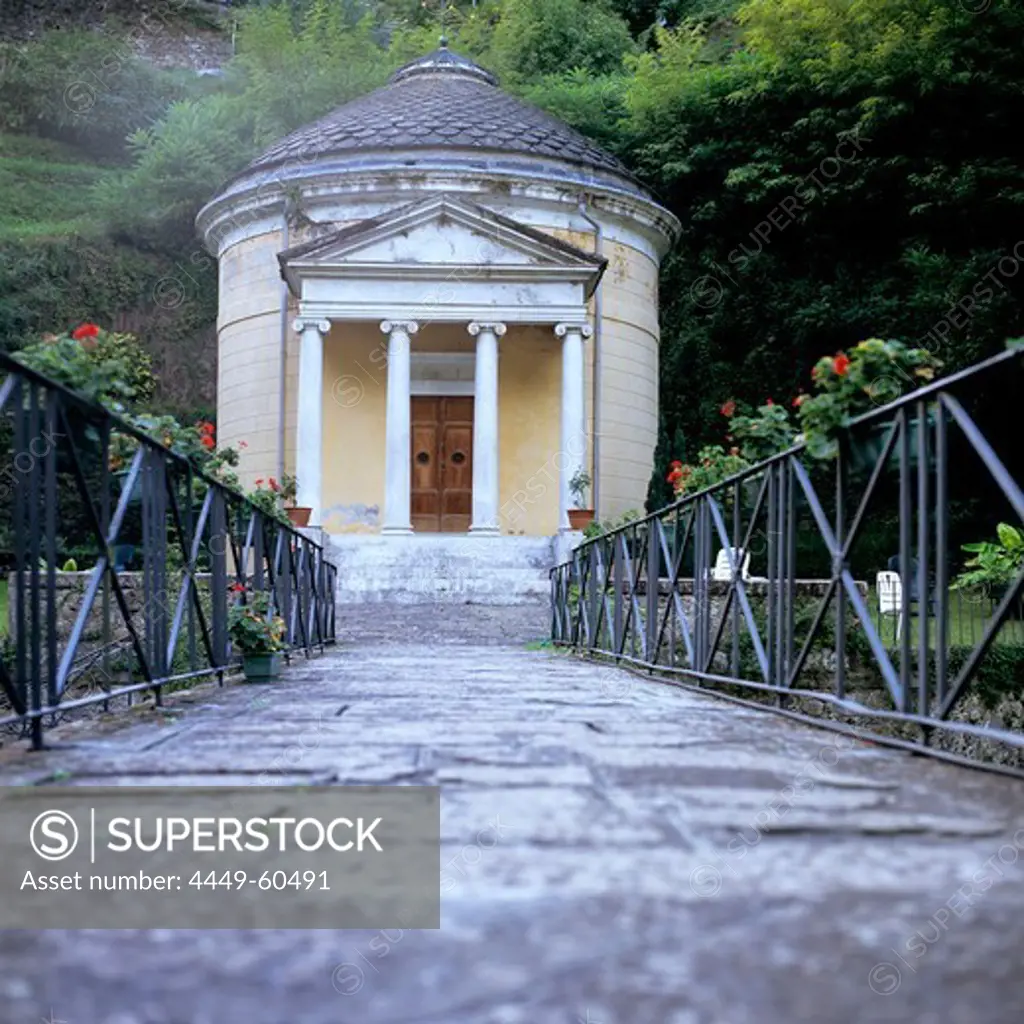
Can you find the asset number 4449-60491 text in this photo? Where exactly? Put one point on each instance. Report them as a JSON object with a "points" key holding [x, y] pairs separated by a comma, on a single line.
{"points": [[268, 880]]}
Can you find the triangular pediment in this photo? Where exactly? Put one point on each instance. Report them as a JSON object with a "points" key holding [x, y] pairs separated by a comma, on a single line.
{"points": [[435, 237]]}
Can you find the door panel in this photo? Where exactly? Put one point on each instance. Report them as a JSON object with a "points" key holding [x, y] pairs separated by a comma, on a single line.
{"points": [[426, 465], [442, 464]]}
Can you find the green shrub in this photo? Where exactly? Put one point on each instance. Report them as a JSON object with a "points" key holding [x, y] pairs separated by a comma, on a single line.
{"points": [[83, 87], [112, 369], [252, 631]]}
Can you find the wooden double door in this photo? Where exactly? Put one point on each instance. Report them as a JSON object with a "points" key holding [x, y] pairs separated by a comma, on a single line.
{"points": [[442, 465]]}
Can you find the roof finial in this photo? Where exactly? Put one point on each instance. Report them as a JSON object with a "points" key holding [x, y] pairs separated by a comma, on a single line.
{"points": [[444, 24]]}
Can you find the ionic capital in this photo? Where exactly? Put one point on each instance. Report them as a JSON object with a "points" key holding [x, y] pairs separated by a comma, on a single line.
{"points": [[498, 330], [302, 324], [409, 327], [583, 329]]}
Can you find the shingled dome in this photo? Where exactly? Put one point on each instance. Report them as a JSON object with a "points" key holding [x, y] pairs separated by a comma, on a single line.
{"points": [[446, 249], [442, 101]]}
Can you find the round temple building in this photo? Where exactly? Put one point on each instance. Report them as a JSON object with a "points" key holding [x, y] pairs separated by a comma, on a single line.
{"points": [[437, 304]]}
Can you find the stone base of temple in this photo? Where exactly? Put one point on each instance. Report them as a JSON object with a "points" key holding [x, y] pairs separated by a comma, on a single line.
{"points": [[442, 568]]}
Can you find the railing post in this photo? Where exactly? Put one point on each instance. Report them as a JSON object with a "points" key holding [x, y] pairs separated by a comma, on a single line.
{"points": [[906, 512], [50, 501], [839, 564], [653, 587], [737, 543], [219, 544], [923, 589], [619, 577], [941, 552]]}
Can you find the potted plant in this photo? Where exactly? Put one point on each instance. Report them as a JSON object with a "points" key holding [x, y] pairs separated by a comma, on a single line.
{"points": [[875, 373], [259, 636], [580, 517], [289, 494], [266, 496]]}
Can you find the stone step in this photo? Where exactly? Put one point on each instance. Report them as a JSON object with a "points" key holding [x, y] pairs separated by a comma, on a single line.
{"points": [[454, 569]]}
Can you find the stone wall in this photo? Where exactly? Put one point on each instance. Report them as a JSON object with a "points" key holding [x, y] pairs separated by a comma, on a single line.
{"points": [[70, 590]]}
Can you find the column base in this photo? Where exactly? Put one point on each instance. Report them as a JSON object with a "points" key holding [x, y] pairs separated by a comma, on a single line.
{"points": [[485, 531], [397, 531]]}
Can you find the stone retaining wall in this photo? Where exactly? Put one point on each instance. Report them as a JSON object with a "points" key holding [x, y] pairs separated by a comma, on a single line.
{"points": [[70, 590]]}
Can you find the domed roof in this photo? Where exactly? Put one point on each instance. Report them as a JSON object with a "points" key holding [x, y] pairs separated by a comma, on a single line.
{"points": [[442, 101]]}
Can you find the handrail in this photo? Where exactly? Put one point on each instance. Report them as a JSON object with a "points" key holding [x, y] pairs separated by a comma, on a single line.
{"points": [[175, 620], [646, 593]]}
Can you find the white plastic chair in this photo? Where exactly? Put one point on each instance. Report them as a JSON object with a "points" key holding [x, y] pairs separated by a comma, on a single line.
{"points": [[890, 597], [722, 572]]}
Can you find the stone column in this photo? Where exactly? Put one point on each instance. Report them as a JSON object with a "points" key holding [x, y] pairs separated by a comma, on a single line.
{"points": [[397, 462], [574, 438], [309, 442], [485, 430]]}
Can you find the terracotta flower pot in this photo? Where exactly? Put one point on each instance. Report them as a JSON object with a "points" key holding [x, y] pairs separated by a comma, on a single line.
{"points": [[299, 516], [580, 518]]}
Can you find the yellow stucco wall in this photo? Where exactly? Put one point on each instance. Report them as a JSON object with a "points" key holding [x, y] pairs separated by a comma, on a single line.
{"points": [[629, 386], [355, 404], [529, 413], [354, 401], [249, 353], [355, 398]]}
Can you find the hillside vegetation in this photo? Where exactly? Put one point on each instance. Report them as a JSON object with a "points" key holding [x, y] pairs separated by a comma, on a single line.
{"points": [[842, 168]]}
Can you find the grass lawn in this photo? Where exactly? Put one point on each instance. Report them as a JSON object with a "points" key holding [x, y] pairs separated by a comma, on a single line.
{"points": [[967, 621], [45, 189]]}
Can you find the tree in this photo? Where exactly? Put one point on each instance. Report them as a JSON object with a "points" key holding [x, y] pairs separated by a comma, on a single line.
{"points": [[548, 37], [836, 180]]}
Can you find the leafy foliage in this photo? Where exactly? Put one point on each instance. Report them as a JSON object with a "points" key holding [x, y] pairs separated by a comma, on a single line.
{"points": [[46, 189], [597, 529], [253, 630], [841, 170], [290, 70], [713, 465], [83, 87], [579, 485], [995, 564], [112, 369], [269, 499], [875, 373], [764, 432], [546, 37], [835, 181]]}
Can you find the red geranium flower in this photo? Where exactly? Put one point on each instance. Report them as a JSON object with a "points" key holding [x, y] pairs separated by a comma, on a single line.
{"points": [[729, 409], [274, 486], [675, 475], [85, 331], [841, 364], [237, 588], [243, 444], [206, 441], [799, 400], [675, 464], [259, 483], [769, 402]]}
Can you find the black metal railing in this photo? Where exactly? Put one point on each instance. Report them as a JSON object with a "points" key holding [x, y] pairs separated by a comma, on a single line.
{"points": [[121, 582], [837, 591]]}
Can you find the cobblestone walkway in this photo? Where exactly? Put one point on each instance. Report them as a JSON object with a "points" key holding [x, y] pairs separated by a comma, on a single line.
{"points": [[615, 852]]}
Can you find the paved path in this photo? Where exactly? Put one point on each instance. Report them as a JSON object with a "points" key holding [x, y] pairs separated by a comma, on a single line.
{"points": [[615, 852]]}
